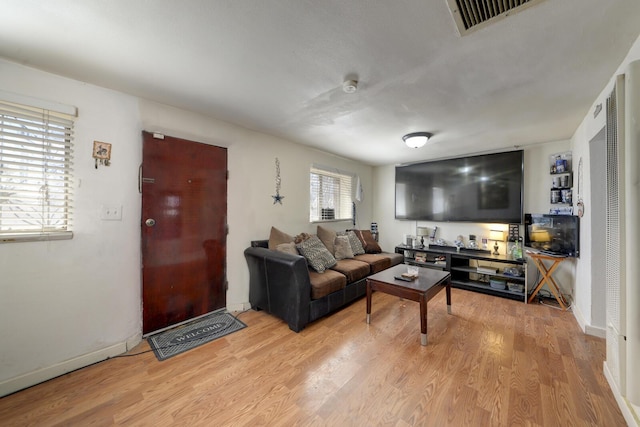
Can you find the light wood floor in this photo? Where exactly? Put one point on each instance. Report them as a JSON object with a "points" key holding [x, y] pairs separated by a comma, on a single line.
{"points": [[492, 362]]}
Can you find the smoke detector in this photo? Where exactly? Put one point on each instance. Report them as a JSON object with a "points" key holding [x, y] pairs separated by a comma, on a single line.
{"points": [[350, 86]]}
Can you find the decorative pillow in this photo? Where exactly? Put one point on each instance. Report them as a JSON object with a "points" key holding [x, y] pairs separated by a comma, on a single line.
{"points": [[356, 245], [301, 238], [288, 248], [368, 242], [317, 255], [276, 237], [342, 248], [327, 236]]}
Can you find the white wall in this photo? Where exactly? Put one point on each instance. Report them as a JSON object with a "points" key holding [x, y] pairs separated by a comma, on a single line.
{"points": [[583, 304], [66, 304], [75, 301], [589, 127]]}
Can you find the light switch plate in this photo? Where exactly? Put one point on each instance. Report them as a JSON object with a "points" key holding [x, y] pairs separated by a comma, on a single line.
{"points": [[111, 213]]}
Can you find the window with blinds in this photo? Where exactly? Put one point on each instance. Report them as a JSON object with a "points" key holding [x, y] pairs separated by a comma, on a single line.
{"points": [[36, 158], [330, 194]]}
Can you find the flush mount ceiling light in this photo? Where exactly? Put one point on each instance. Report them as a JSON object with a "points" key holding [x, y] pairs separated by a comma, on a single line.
{"points": [[416, 139]]}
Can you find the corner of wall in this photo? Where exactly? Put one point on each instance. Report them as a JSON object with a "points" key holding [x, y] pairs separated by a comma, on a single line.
{"points": [[133, 340]]}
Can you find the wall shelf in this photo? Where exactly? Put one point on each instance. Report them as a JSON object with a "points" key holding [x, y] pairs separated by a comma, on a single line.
{"points": [[561, 186]]}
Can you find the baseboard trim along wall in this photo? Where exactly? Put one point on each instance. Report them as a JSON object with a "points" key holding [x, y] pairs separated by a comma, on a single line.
{"points": [[36, 377], [627, 412], [586, 328], [231, 308], [595, 331]]}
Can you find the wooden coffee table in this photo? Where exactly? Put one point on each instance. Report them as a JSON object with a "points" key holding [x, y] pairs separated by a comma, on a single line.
{"points": [[421, 289]]}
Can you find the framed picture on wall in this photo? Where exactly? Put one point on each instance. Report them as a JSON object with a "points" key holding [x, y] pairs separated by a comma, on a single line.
{"points": [[102, 153]]}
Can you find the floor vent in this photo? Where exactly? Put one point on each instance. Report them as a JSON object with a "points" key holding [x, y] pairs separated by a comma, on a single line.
{"points": [[473, 14]]}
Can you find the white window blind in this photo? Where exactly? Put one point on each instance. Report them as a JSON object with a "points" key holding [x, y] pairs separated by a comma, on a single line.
{"points": [[330, 194], [36, 159]]}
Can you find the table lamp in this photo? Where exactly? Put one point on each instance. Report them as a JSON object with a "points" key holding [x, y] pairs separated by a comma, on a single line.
{"points": [[496, 235], [422, 231]]}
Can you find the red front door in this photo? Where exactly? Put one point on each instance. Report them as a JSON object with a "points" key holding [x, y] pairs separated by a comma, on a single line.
{"points": [[184, 217]]}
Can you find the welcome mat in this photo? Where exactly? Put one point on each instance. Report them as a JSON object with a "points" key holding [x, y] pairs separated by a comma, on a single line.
{"points": [[191, 335]]}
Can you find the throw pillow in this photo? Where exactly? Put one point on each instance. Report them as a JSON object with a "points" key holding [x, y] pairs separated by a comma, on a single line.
{"points": [[276, 237], [327, 236], [356, 245], [301, 237], [317, 255], [342, 248], [368, 242], [288, 248]]}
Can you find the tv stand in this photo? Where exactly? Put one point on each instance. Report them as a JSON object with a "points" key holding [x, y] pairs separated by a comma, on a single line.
{"points": [[464, 267]]}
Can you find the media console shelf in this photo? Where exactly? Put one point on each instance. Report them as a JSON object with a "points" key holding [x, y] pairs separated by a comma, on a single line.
{"points": [[472, 269]]}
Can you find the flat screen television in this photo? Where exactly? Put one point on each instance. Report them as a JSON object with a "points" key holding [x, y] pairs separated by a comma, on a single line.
{"points": [[554, 234], [486, 188]]}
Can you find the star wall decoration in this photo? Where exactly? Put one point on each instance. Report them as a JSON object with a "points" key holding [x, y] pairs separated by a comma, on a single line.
{"points": [[277, 198]]}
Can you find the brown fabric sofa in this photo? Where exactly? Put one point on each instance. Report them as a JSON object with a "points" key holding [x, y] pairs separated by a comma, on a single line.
{"points": [[284, 284]]}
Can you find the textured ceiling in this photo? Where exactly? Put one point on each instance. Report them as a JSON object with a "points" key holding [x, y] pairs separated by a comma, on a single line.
{"points": [[278, 66]]}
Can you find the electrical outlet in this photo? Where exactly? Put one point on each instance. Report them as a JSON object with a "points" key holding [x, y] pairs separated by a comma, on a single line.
{"points": [[111, 213]]}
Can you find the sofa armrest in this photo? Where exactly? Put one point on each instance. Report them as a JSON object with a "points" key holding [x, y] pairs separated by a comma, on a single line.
{"points": [[279, 284]]}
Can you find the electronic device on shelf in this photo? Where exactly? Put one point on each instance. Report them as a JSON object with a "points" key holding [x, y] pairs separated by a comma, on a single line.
{"points": [[556, 235]]}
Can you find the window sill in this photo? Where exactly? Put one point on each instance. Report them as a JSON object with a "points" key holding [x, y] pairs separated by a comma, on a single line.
{"points": [[36, 237], [331, 220]]}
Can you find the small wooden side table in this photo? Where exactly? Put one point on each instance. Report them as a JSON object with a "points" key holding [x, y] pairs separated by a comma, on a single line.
{"points": [[421, 290], [547, 276]]}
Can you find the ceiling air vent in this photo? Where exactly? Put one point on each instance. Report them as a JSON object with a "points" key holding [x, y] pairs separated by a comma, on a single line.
{"points": [[473, 14]]}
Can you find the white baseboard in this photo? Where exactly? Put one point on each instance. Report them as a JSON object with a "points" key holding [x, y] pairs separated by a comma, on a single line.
{"points": [[579, 317], [627, 413], [238, 307], [134, 340], [36, 377], [586, 328], [595, 331]]}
